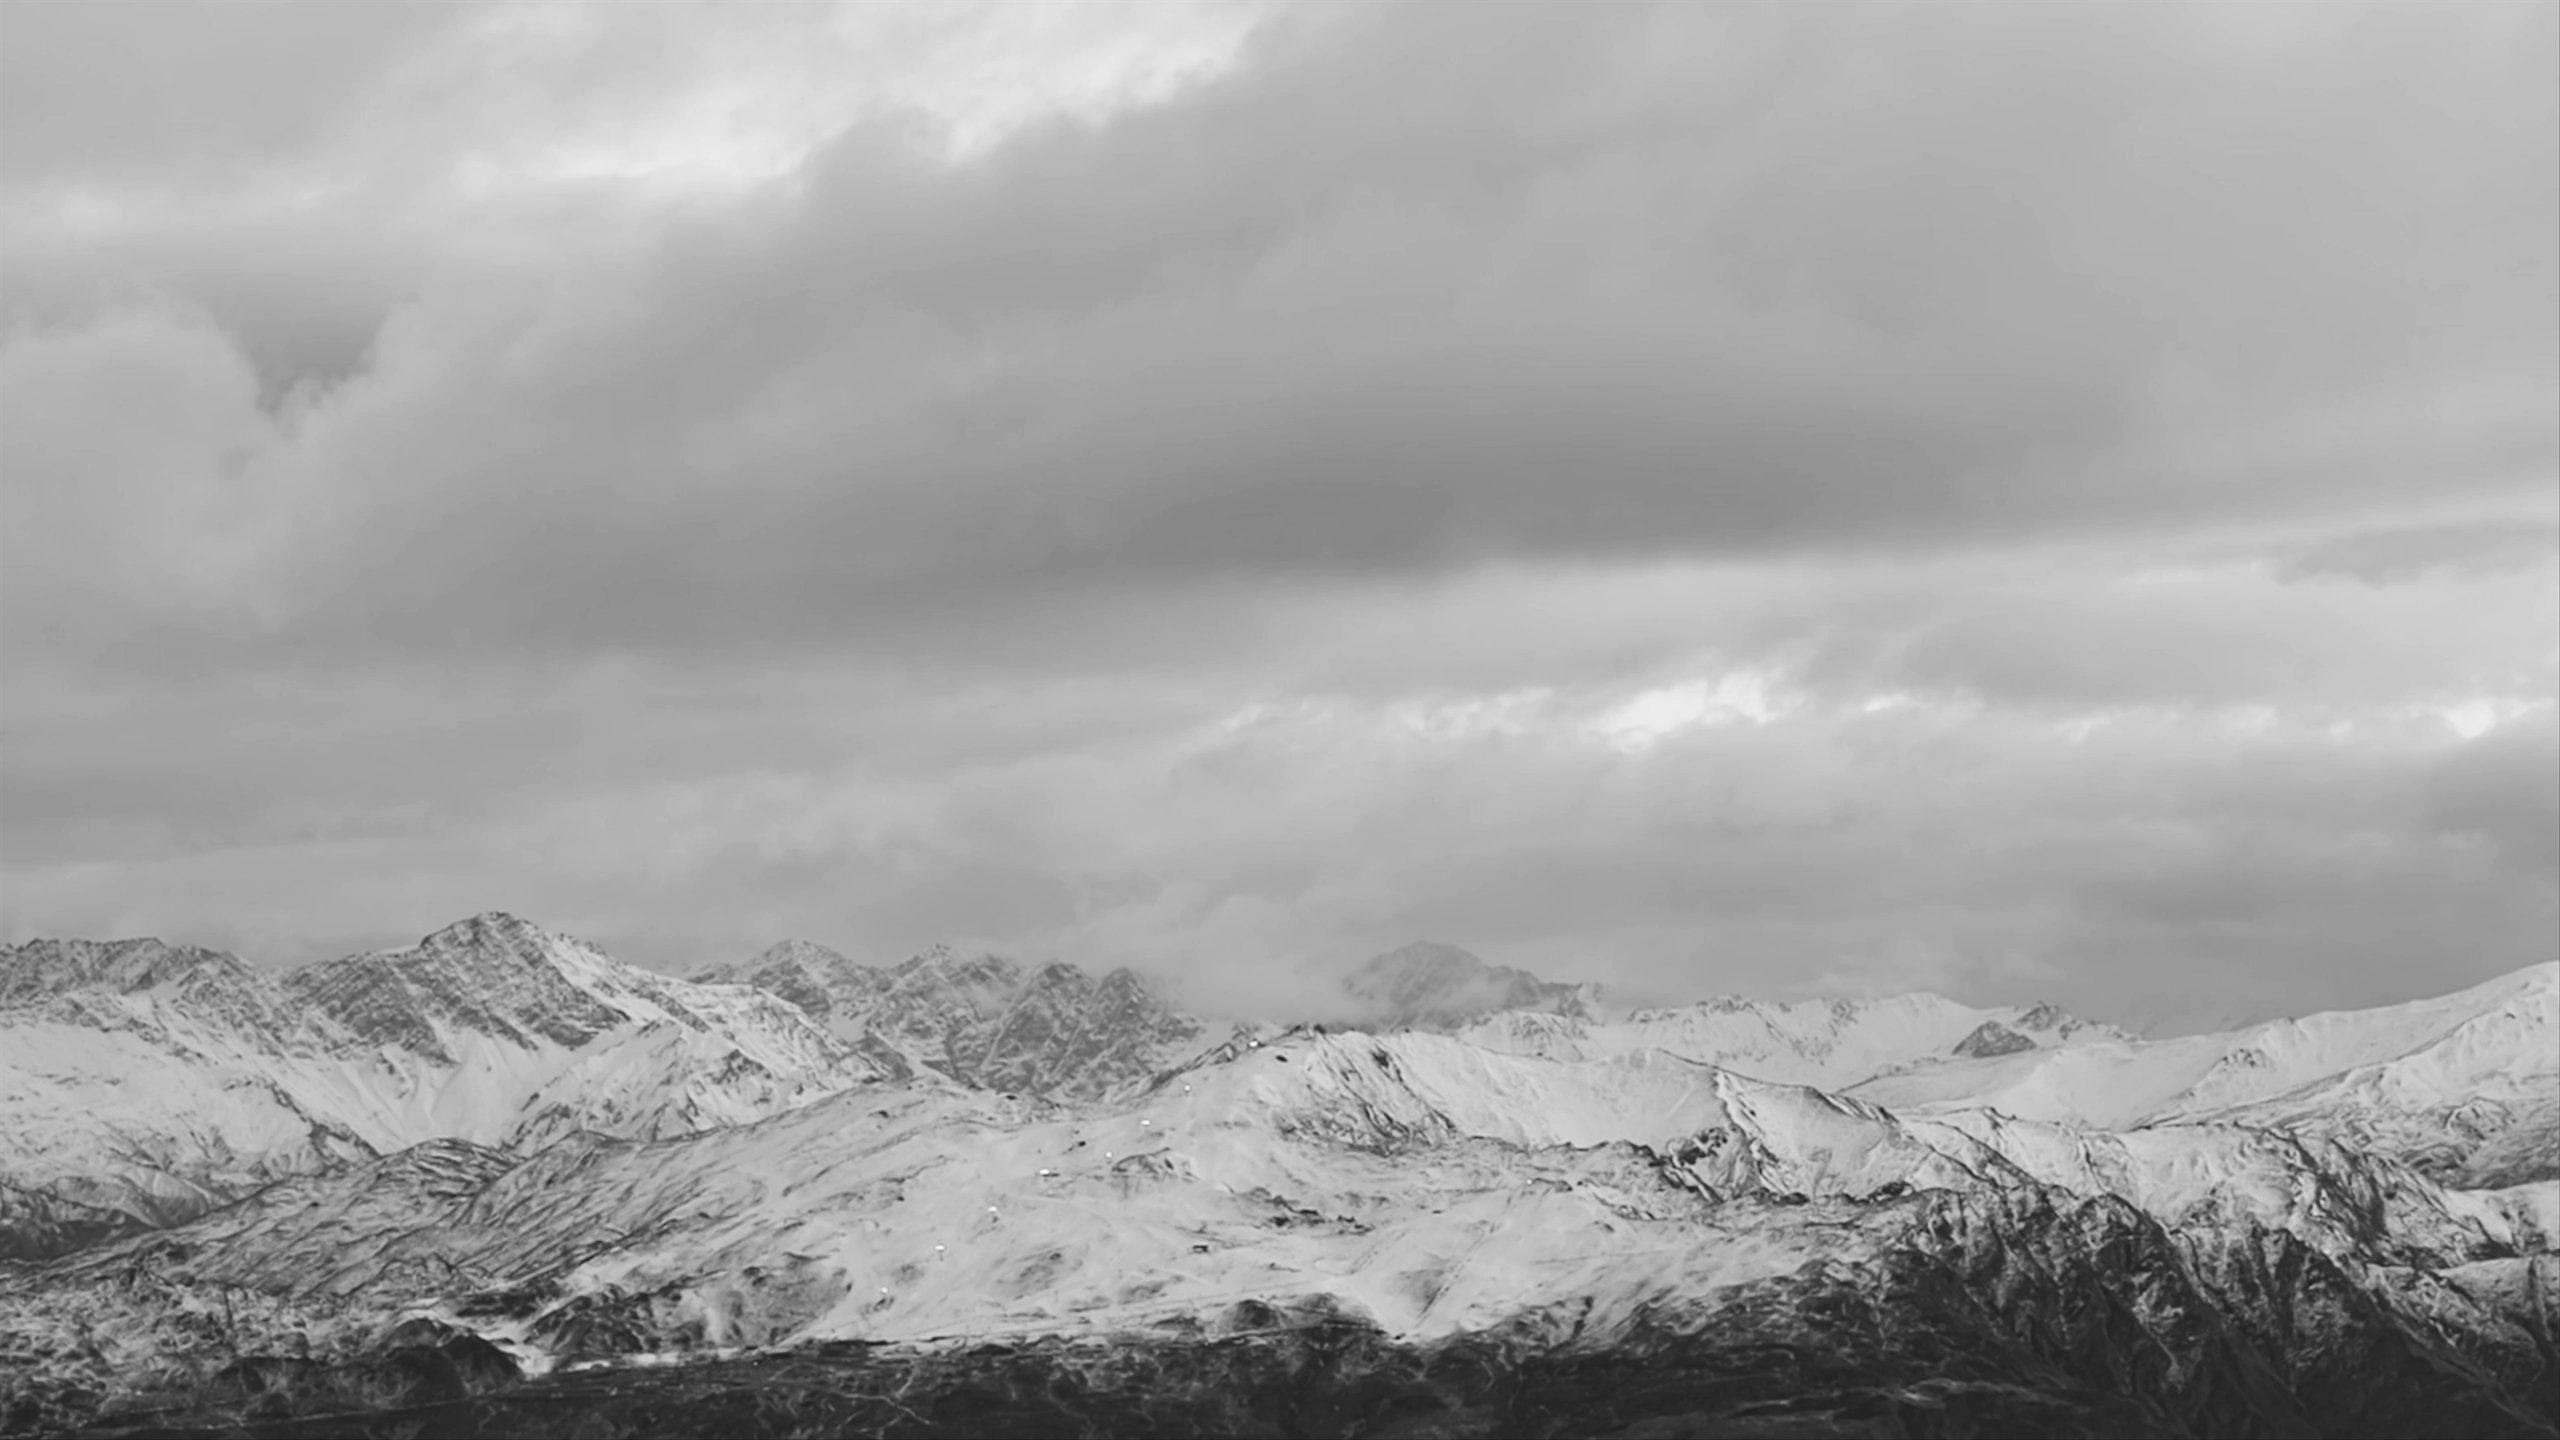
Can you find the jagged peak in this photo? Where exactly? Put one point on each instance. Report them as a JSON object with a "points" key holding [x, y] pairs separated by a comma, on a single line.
{"points": [[1123, 983], [1991, 1038], [2045, 1015], [491, 929], [943, 963], [493, 972]]}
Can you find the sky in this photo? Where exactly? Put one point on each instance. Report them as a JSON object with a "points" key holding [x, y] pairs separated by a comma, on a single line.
{"points": [[2019, 501]]}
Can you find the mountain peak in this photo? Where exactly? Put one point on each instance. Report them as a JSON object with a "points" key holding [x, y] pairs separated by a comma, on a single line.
{"points": [[800, 971], [491, 930], [1437, 986], [946, 966], [494, 973]]}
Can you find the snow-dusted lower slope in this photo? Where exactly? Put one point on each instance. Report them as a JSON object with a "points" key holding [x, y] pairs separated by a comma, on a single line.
{"points": [[154, 1081]]}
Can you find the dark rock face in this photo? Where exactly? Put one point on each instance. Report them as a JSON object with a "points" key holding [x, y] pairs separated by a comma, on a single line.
{"points": [[2048, 1016], [419, 1363], [1440, 987], [1992, 1038], [2236, 1332]]}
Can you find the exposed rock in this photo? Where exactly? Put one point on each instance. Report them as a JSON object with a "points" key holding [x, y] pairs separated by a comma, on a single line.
{"points": [[1992, 1038]]}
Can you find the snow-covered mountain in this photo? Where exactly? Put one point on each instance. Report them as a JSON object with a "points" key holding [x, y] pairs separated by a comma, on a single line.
{"points": [[1432, 1190], [154, 1081], [600, 1164], [988, 1021]]}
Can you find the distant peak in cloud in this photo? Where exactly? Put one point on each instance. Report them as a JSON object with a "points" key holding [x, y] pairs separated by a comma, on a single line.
{"points": [[1434, 985]]}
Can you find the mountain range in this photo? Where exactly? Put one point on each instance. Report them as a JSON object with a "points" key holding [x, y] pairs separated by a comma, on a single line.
{"points": [[501, 1159]]}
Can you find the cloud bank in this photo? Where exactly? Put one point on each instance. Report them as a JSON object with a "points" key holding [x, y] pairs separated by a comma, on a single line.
{"points": [[2009, 500]]}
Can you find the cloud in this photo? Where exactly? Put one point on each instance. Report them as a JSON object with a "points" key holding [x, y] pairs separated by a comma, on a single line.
{"points": [[1657, 304], [1703, 496], [2410, 552], [200, 95]]}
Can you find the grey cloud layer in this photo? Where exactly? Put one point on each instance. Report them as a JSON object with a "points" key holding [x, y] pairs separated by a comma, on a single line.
{"points": [[1702, 280], [1055, 547]]}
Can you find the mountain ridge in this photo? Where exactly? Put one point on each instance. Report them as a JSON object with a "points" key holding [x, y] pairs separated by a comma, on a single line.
{"points": [[1430, 1190], [159, 1099], [500, 1148], [496, 1031]]}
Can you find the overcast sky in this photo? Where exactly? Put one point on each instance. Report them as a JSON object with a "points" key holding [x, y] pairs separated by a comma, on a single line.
{"points": [[2031, 501]]}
